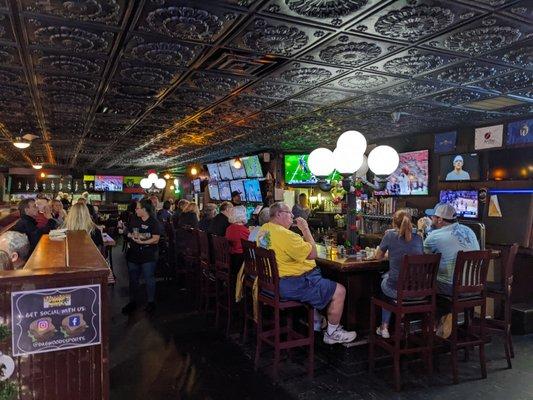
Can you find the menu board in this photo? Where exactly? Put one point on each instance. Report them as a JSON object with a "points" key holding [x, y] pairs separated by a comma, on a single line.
{"points": [[253, 191], [252, 167], [213, 191], [55, 319], [238, 173], [224, 190], [214, 174], [225, 171], [239, 187]]}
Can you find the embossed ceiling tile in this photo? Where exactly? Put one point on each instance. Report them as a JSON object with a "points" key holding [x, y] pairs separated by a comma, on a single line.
{"points": [[67, 64], [265, 118], [9, 91], [324, 96], [412, 20], [293, 108], [371, 102], [269, 36], [218, 83], [124, 106], [525, 93], [306, 74], [249, 104], [146, 74], [103, 11], [329, 12], [413, 62], [130, 90], [360, 81], [483, 36], [161, 52], [275, 90], [454, 97], [189, 21], [521, 10], [519, 55], [6, 31], [65, 82], [412, 108], [197, 98], [69, 38], [338, 112], [467, 72], [413, 89], [510, 82], [9, 56], [11, 76], [349, 50]]}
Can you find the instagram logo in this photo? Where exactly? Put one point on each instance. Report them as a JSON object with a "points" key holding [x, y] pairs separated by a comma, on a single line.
{"points": [[43, 325]]}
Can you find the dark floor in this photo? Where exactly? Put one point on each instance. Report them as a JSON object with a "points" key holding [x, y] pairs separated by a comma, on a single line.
{"points": [[176, 354]]}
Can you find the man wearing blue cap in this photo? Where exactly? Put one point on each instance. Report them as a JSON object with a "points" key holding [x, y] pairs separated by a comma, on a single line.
{"points": [[458, 174], [448, 238]]}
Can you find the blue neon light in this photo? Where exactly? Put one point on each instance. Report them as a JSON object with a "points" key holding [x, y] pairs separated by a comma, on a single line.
{"points": [[511, 191]]}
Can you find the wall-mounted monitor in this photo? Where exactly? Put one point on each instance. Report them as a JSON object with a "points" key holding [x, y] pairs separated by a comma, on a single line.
{"points": [[224, 190], [459, 167], [511, 164], [137, 196], [253, 191], [225, 171], [297, 171], [214, 174], [108, 183], [239, 187], [411, 176], [252, 165], [213, 191], [238, 173], [196, 185], [465, 202]]}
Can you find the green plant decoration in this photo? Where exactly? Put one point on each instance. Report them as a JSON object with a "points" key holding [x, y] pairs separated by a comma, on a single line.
{"points": [[8, 390]]}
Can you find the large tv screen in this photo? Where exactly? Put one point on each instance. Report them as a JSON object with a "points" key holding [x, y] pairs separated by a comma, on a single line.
{"points": [[252, 165], [459, 167], [225, 171], [253, 191], [214, 174], [511, 164], [297, 171], [238, 186], [108, 183], [224, 190], [465, 202], [411, 176], [238, 173], [213, 191]]}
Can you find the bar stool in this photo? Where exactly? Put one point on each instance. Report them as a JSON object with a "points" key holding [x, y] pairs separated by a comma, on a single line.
{"points": [[416, 294], [223, 280], [206, 278], [469, 291], [250, 275], [502, 291], [191, 258], [268, 295]]}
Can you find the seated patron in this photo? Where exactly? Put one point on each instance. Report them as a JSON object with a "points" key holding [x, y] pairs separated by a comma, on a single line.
{"points": [[236, 232], [79, 219], [164, 215], [398, 242], [262, 218], [208, 213], [5, 261], [58, 212], [300, 279], [220, 223], [28, 225], [190, 216], [182, 205], [17, 247]]}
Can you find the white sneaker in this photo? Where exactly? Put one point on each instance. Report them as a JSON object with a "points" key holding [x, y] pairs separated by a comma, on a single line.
{"points": [[384, 333], [339, 336]]}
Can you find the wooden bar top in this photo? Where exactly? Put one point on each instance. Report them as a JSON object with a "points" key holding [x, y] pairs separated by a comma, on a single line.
{"points": [[350, 264]]}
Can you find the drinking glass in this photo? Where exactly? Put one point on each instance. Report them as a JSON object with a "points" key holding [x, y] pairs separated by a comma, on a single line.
{"points": [[136, 233]]}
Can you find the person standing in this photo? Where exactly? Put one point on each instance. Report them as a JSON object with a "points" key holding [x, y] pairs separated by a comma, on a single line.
{"points": [[79, 219], [220, 223], [144, 232], [208, 213]]}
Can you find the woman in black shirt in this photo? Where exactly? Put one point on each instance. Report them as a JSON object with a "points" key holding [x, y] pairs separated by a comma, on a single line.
{"points": [[79, 219], [144, 232]]}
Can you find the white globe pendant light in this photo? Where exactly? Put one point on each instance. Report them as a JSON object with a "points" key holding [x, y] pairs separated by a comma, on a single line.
{"points": [[145, 183], [354, 140], [363, 169], [320, 162], [152, 177], [160, 183], [383, 160], [346, 161]]}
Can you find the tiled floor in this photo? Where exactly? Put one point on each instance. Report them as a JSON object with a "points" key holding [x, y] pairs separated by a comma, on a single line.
{"points": [[176, 354]]}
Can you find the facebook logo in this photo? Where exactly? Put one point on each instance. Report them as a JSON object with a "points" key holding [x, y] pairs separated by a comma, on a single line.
{"points": [[74, 321]]}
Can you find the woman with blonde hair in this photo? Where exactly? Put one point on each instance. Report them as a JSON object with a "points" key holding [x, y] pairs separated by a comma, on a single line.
{"points": [[190, 216], [398, 242], [79, 219]]}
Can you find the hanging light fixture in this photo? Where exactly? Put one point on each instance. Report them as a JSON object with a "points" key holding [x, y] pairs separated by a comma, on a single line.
{"points": [[320, 164], [167, 176], [194, 171], [21, 143], [37, 166], [237, 163], [153, 182]]}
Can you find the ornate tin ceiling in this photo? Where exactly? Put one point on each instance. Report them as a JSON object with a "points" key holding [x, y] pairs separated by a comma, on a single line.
{"points": [[117, 84]]}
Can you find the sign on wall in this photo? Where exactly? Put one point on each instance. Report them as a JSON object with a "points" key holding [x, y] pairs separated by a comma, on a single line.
{"points": [[520, 132], [488, 137], [55, 319], [445, 142]]}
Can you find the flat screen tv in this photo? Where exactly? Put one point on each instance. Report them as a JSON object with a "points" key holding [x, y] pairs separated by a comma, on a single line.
{"points": [[108, 183], [465, 202], [239, 187], [252, 165], [511, 164], [253, 191], [196, 185], [297, 171], [137, 196], [459, 167], [213, 191], [411, 176], [224, 190], [238, 173], [225, 171], [214, 174]]}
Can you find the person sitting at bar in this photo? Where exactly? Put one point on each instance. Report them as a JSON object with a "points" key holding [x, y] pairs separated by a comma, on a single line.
{"points": [[5, 261], [234, 233], [208, 213], [302, 208], [43, 206], [262, 218], [220, 223], [79, 219], [448, 238], [398, 242], [28, 225], [58, 212], [190, 216], [17, 247], [164, 215], [182, 205], [300, 279]]}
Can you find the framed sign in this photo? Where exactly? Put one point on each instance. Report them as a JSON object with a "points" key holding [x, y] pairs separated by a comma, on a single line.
{"points": [[55, 319], [445, 142], [486, 138]]}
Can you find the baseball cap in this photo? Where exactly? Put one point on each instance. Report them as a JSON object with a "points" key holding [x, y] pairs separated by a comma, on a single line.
{"points": [[442, 210], [235, 193], [458, 158]]}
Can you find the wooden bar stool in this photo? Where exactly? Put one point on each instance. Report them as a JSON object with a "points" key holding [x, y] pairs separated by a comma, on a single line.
{"points": [[191, 258], [502, 291], [416, 294], [223, 280], [268, 281], [250, 274], [469, 291], [206, 272]]}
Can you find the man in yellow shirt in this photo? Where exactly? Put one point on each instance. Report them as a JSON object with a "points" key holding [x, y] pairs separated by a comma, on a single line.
{"points": [[300, 279]]}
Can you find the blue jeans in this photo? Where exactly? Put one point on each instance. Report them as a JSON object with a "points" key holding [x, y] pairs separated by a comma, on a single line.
{"points": [[148, 271], [387, 291]]}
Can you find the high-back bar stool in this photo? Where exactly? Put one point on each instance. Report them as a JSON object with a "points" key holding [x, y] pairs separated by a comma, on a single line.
{"points": [[206, 281], [250, 274], [223, 280], [416, 294]]}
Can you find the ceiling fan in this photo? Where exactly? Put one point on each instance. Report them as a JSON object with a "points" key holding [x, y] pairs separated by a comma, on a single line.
{"points": [[21, 141]]}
